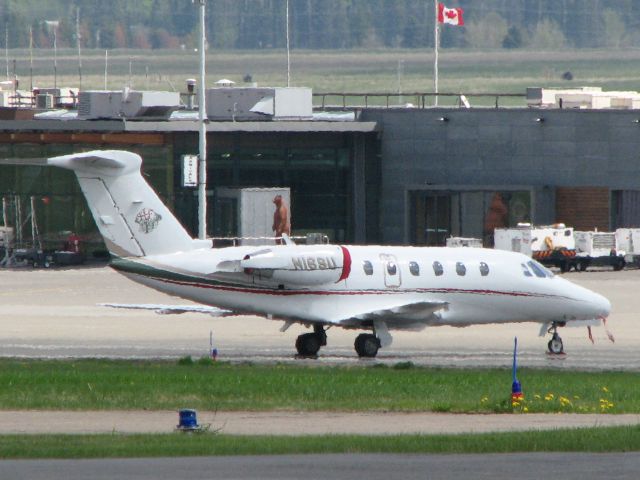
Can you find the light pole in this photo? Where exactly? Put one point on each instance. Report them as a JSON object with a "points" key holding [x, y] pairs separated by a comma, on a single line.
{"points": [[202, 117]]}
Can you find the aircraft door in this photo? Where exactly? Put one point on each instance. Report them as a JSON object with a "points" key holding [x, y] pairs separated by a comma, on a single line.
{"points": [[391, 269]]}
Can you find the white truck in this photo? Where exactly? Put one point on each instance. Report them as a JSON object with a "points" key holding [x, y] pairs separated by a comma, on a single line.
{"points": [[551, 245], [560, 246]]}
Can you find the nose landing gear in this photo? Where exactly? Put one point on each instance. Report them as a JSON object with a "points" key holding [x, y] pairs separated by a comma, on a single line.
{"points": [[555, 345]]}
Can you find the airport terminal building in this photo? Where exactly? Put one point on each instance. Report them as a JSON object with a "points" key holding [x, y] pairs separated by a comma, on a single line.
{"points": [[411, 176]]}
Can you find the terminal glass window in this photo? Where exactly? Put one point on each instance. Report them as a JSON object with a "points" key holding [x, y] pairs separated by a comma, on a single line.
{"points": [[315, 166], [439, 214]]}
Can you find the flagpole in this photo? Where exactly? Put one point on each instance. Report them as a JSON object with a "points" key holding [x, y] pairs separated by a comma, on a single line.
{"points": [[288, 48], [436, 41]]}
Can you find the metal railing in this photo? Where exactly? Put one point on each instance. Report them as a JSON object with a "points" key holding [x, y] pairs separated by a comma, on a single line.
{"points": [[348, 100], [310, 239]]}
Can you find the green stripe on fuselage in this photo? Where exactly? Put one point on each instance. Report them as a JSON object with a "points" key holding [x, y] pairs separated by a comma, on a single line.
{"points": [[128, 265]]}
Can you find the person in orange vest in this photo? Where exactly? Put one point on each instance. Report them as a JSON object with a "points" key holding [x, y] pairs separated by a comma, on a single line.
{"points": [[281, 222], [496, 217]]}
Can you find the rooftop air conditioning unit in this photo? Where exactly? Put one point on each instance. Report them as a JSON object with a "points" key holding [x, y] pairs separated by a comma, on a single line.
{"points": [[44, 101]]}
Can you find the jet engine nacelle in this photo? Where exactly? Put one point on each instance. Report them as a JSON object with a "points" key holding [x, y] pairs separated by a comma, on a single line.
{"points": [[300, 265]]}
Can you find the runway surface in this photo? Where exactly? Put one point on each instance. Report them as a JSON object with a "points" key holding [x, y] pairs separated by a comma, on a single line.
{"points": [[523, 466], [54, 314]]}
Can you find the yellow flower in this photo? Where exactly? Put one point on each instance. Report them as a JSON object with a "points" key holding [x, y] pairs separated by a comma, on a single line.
{"points": [[525, 409], [537, 397]]}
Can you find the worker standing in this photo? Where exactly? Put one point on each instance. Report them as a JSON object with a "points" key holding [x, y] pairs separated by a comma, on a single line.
{"points": [[281, 221]]}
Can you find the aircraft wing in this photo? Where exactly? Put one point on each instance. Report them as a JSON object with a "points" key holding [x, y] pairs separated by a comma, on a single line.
{"points": [[172, 309], [397, 314]]}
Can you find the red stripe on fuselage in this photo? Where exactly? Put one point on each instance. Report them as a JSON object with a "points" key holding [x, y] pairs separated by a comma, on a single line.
{"points": [[267, 291], [346, 264]]}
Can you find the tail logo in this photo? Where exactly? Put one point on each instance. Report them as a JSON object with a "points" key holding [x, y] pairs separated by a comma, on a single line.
{"points": [[148, 220]]}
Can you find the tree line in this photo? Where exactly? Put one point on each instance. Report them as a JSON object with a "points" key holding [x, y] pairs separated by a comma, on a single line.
{"points": [[319, 24]]}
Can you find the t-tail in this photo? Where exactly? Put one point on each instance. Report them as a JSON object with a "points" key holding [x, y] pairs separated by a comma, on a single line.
{"points": [[130, 216]]}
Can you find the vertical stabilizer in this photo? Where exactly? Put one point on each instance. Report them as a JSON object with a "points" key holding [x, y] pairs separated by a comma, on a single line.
{"points": [[131, 218]]}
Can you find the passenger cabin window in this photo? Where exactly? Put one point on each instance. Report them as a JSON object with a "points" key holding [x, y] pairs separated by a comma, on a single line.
{"points": [[414, 268], [526, 271], [367, 266], [437, 269], [461, 269], [484, 269], [391, 268]]}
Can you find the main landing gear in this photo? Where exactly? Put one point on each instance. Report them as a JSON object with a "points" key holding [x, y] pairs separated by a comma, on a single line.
{"points": [[367, 345], [555, 344], [309, 344]]}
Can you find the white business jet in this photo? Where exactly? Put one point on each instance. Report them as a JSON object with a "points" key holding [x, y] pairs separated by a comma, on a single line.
{"points": [[371, 288]]}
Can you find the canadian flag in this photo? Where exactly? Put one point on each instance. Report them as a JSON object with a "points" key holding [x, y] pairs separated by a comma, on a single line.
{"points": [[452, 16]]}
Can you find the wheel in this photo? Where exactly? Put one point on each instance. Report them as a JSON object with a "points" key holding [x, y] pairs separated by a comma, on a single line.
{"points": [[582, 265], [564, 267], [555, 344], [308, 344], [619, 265], [367, 345]]}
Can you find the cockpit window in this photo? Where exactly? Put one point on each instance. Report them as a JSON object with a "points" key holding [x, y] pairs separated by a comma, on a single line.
{"points": [[414, 268], [367, 267], [526, 271], [437, 268], [484, 269], [461, 269], [539, 270]]}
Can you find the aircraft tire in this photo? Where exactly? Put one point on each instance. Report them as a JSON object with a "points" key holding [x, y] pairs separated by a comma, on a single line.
{"points": [[367, 345], [555, 345], [308, 344]]}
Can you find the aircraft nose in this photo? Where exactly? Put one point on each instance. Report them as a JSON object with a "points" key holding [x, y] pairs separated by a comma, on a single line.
{"points": [[603, 305], [592, 304]]}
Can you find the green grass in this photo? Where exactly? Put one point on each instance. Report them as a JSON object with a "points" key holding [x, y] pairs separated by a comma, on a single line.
{"points": [[610, 439], [123, 385], [461, 71]]}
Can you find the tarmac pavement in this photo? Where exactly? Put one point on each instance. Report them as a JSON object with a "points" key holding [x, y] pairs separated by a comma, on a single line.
{"points": [[55, 314]]}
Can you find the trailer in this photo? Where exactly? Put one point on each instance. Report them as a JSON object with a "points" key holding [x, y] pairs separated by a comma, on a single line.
{"points": [[628, 240], [599, 249]]}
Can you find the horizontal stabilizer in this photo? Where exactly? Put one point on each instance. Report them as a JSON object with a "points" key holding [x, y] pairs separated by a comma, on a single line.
{"points": [[171, 309]]}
